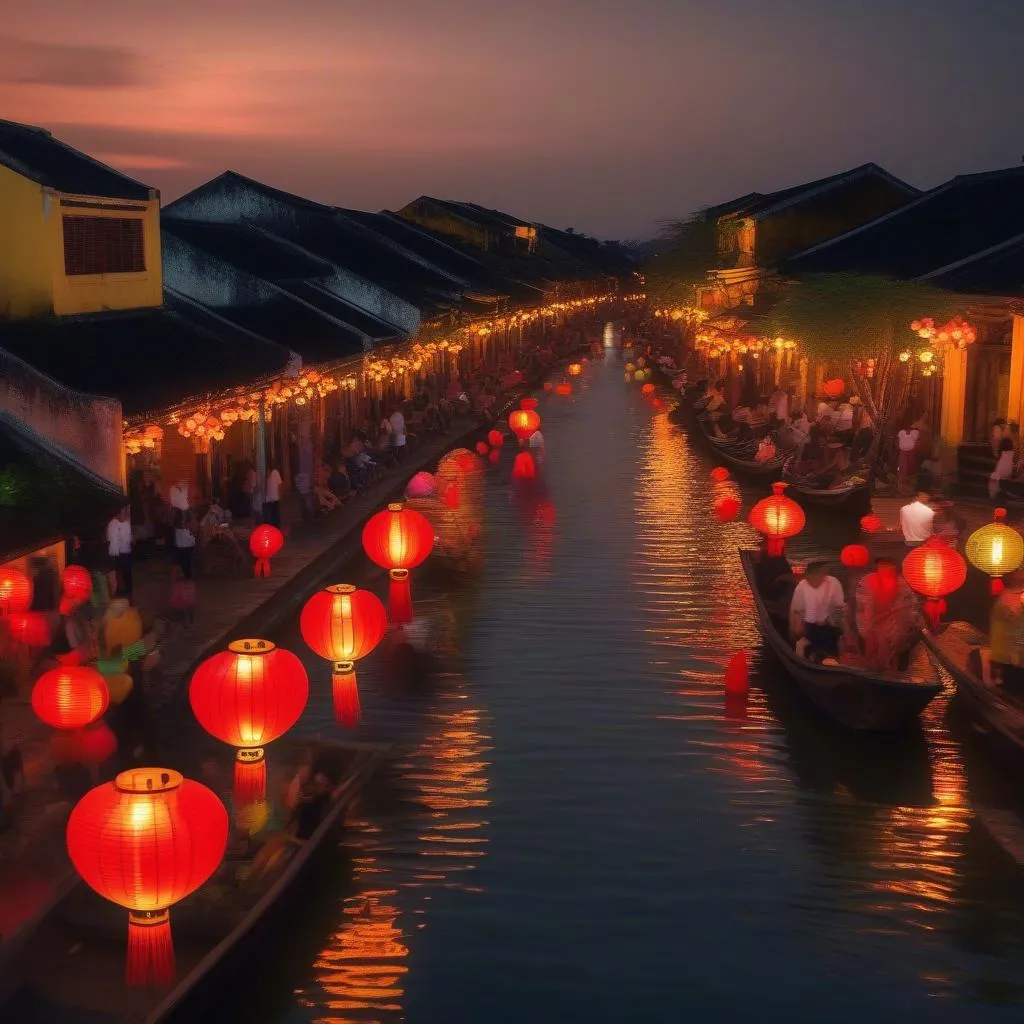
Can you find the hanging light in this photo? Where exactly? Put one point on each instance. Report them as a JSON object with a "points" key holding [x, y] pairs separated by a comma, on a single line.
{"points": [[398, 539], [870, 523], [996, 549], [70, 697], [15, 592], [524, 423], [854, 556], [777, 518], [719, 474], [76, 584], [265, 542], [934, 570]]}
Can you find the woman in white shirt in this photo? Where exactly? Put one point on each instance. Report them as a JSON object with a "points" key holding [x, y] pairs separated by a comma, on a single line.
{"points": [[1003, 470], [272, 499], [906, 442]]}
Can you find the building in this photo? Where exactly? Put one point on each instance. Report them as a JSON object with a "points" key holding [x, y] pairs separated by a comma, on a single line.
{"points": [[488, 230]]}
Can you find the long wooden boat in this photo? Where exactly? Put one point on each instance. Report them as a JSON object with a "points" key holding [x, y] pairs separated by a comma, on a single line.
{"points": [[739, 455], [73, 966], [856, 698], [994, 714], [851, 493]]}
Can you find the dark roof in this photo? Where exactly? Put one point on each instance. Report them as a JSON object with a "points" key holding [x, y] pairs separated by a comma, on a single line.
{"points": [[148, 358], [494, 220], [588, 251], [995, 271], [375, 329], [35, 154], [44, 494], [961, 218], [234, 178]]}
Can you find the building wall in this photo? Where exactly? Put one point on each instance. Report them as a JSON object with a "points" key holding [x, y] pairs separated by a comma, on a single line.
{"points": [[438, 219], [87, 428], [209, 280], [26, 274]]}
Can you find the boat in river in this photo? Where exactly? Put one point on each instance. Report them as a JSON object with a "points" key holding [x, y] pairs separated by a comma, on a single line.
{"points": [[849, 494], [857, 698], [71, 969], [740, 455]]}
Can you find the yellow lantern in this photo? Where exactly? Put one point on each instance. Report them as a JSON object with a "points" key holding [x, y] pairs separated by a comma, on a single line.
{"points": [[119, 686], [122, 626], [996, 549]]}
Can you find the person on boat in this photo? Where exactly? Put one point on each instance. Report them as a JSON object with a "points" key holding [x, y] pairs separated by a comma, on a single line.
{"points": [[778, 406], [917, 520], [1005, 663], [816, 613], [886, 616]]}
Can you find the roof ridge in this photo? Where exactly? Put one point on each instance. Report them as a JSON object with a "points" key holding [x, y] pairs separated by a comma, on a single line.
{"points": [[974, 257]]}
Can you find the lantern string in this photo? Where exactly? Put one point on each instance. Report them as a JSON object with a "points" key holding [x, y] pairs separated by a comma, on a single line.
{"points": [[150, 950]]}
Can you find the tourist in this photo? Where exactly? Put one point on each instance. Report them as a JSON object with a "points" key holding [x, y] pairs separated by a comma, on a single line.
{"points": [[864, 433], [398, 435], [119, 547], [304, 487], [888, 623], [178, 496], [778, 405], [272, 498], [917, 520], [1003, 470], [184, 542], [1006, 636], [816, 612], [906, 442]]}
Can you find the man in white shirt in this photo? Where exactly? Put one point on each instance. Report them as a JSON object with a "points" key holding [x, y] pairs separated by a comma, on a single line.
{"points": [[272, 500], [119, 547], [178, 496], [816, 609], [398, 433], [917, 520]]}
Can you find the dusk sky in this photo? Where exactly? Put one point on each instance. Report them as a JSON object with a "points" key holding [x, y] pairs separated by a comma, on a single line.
{"points": [[605, 115]]}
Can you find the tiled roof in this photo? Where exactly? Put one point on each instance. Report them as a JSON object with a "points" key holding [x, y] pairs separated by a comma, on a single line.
{"points": [[998, 270], [37, 155], [374, 328]]}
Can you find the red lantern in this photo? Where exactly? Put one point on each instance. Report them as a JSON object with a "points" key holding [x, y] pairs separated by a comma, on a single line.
{"points": [[647, 389], [726, 509], [871, 524], [524, 468], [564, 388], [737, 674], [482, 448], [95, 744], [342, 625], [933, 570], [719, 474], [248, 696], [77, 584], [70, 697], [495, 438], [30, 629], [524, 423], [777, 518], [833, 388], [146, 841], [528, 404], [265, 542], [15, 592], [398, 539], [855, 556]]}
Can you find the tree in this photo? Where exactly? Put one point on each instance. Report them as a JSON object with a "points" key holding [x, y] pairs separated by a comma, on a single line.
{"points": [[687, 251]]}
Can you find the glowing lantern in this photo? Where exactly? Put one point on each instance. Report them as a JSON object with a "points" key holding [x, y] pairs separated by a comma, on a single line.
{"points": [[342, 625], [777, 518], [563, 388], [524, 423], [94, 744], [548, 386], [421, 485], [719, 474], [265, 542], [871, 524], [70, 697], [528, 403], [248, 696], [524, 468], [737, 674], [647, 389], [934, 569], [146, 841], [495, 438], [854, 556], [77, 585], [399, 539], [996, 549], [574, 369], [30, 629], [482, 448], [833, 388], [726, 509], [15, 592]]}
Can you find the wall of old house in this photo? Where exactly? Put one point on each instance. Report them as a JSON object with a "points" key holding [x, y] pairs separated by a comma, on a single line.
{"points": [[208, 280], [85, 428], [26, 275], [436, 218]]}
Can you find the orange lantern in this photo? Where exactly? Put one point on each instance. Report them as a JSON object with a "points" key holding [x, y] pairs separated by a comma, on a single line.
{"points": [[933, 570], [524, 423], [146, 841], [564, 388], [399, 539], [15, 592], [524, 468], [528, 403], [30, 629], [574, 369], [996, 549], [719, 474], [871, 524], [833, 388], [265, 542], [854, 556], [248, 696], [77, 586], [70, 697], [726, 509], [343, 624], [777, 518], [495, 438], [647, 389]]}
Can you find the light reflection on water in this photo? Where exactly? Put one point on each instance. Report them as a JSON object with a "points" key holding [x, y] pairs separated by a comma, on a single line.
{"points": [[580, 826]]}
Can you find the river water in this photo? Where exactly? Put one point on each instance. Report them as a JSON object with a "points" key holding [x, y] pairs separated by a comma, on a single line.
{"points": [[579, 828]]}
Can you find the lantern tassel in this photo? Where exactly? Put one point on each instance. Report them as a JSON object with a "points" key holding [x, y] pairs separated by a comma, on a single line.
{"points": [[776, 546], [345, 692], [934, 609], [400, 597], [262, 567], [250, 777], [150, 949], [997, 586]]}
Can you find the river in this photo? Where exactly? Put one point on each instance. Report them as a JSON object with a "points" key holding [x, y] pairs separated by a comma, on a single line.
{"points": [[578, 828]]}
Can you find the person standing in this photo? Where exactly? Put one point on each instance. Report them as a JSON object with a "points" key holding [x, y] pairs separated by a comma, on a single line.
{"points": [[178, 496], [119, 546], [272, 500], [917, 520], [184, 542], [906, 442], [397, 421]]}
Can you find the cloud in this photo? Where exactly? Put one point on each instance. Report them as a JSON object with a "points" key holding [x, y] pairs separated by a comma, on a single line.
{"points": [[26, 62], [139, 161]]}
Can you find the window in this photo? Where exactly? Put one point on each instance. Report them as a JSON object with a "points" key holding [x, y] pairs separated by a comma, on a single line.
{"points": [[103, 245]]}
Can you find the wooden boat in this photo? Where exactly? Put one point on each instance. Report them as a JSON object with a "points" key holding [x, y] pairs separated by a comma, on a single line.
{"points": [[851, 493], [739, 455], [856, 698], [73, 966], [996, 715]]}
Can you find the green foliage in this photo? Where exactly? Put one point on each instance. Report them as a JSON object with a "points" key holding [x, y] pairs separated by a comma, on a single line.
{"points": [[687, 251], [855, 316]]}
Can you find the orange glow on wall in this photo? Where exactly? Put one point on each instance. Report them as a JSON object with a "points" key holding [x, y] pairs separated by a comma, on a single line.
{"points": [[70, 697], [777, 518]]}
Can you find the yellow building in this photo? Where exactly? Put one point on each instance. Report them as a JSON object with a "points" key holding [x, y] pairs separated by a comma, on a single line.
{"points": [[79, 237]]}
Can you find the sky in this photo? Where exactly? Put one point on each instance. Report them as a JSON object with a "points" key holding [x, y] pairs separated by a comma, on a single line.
{"points": [[608, 116]]}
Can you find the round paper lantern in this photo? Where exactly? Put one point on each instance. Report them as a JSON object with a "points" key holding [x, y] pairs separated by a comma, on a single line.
{"points": [[15, 592], [95, 743], [933, 570], [996, 549], [248, 696], [855, 556], [524, 467], [528, 403], [777, 518], [77, 586], [833, 388], [29, 629], [122, 625], [726, 509], [871, 524], [563, 388], [647, 389], [421, 485], [70, 697], [343, 624], [574, 369], [265, 542], [495, 438], [146, 841], [719, 474], [399, 539], [524, 423], [482, 447]]}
